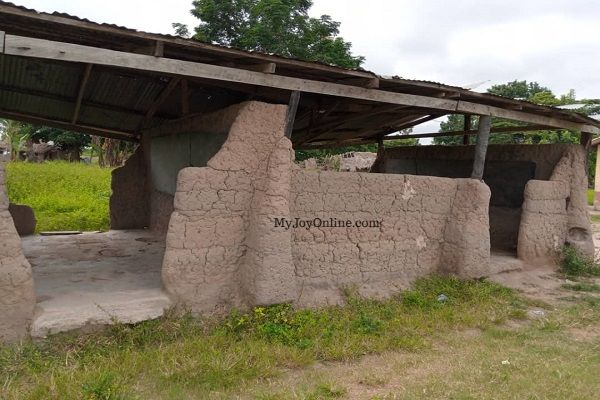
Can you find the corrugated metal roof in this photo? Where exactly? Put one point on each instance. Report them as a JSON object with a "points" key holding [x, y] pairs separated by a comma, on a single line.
{"points": [[119, 99]]}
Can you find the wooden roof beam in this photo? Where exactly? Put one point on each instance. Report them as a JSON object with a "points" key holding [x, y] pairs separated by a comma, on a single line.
{"points": [[91, 130], [45, 49], [508, 129]]}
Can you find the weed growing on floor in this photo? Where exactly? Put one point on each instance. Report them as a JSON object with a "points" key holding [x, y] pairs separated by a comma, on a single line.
{"points": [[63, 195], [188, 357], [573, 263]]}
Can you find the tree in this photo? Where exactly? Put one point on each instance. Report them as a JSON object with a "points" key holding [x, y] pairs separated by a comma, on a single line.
{"points": [[71, 143], [281, 27], [16, 135], [522, 90]]}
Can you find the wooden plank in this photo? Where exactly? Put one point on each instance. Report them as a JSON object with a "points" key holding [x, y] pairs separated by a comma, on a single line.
{"points": [[481, 109], [291, 113], [410, 122], [82, 85], [474, 132], [189, 44], [69, 100], [91, 130], [39, 48], [483, 138], [161, 99], [324, 128]]}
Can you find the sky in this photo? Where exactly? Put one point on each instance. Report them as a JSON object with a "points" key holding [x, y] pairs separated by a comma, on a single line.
{"points": [[474, 43]]}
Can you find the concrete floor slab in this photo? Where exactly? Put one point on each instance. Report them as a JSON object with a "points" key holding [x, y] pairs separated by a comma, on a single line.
{"points": [[95, 279]]}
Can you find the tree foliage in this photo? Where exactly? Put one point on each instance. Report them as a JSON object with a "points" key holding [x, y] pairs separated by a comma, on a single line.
{"points": [[281, 27], [521, 90]]}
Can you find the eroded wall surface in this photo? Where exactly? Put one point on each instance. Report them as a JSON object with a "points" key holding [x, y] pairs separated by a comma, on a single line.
{"points": [[508, 171], [222, 250], [17, 295], [555, 211], [225, 248], [416, 226]]}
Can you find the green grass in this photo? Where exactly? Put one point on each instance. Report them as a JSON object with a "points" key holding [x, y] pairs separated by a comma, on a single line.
{"points": [[180, 357], [573, 263], [64, 196], [590, 197], [582, 287]]}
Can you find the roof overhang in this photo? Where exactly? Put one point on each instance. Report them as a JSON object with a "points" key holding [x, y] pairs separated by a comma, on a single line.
{"points": [[62, 71]]}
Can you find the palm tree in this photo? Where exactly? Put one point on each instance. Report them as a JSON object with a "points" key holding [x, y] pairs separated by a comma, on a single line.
{"points": [[13, 133]]}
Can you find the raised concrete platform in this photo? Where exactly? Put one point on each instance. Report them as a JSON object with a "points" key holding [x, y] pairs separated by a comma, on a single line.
{"points": [[95, 279]]}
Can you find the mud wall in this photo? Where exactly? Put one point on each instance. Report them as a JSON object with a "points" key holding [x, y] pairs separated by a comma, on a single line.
{"points": [[17, 295], [421, 225], [508, 169], [222, 250], [555, 211], [225, 248], [129, 200]]}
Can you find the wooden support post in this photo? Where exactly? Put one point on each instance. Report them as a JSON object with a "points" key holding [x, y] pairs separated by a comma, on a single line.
{"points": [[483, 137], [291, 114], [467, 127]]}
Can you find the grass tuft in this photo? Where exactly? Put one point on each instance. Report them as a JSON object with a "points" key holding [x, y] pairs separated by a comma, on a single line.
{"points": [[582, 287], [64, 196], [573, 263]]}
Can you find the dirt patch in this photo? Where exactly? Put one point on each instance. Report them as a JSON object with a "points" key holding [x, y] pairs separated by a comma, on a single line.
{"points": [[586, 335]]}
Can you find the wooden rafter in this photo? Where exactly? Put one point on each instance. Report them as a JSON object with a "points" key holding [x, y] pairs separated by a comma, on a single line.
{"points": [[91, 130], [162, 97], [39, 48]]}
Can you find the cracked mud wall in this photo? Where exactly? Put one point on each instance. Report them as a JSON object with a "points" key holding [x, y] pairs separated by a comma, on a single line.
{"points": [[224, 250], [428, 225], [555, 211], [508, 170], [17, 295]]}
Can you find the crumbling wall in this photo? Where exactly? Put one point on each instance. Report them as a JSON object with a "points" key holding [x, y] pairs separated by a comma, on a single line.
{"points": [[507, 171], [129, 200], [222, 250], [417, 226], [555, 211], [228, 244], [17, 295]]}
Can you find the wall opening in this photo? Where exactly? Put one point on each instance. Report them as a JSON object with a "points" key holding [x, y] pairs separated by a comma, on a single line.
{"points": [[94, 277]]}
